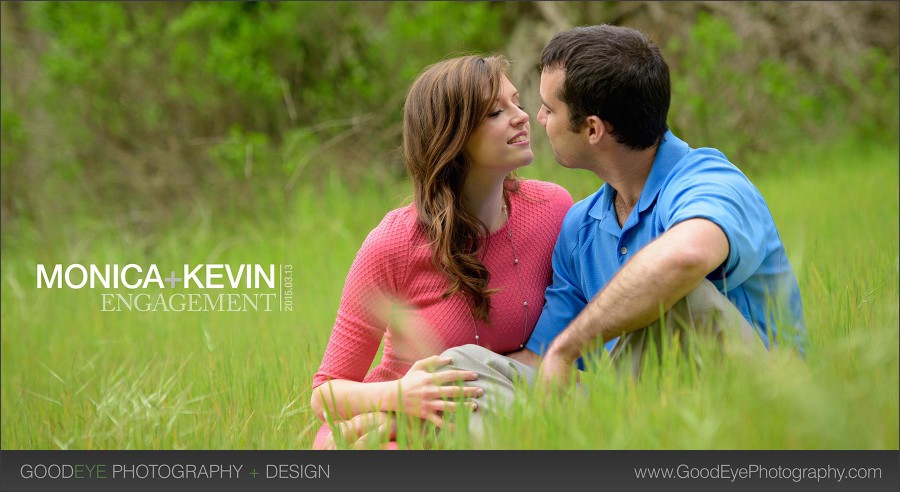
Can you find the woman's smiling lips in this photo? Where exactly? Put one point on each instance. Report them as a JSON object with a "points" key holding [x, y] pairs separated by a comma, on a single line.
{"points": [[519, 139]]}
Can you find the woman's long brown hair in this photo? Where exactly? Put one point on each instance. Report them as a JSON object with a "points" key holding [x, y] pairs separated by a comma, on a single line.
{"points": [[444, 106]]}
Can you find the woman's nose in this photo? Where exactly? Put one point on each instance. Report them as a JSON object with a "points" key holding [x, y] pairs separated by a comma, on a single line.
{"points": [[520, 117]]}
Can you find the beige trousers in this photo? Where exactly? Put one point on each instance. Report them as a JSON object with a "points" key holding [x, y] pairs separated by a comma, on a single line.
{"points": [[703, 311]]}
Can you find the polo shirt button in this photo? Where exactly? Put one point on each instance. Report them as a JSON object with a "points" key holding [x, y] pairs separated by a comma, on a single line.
{"points": [[624, 250]]}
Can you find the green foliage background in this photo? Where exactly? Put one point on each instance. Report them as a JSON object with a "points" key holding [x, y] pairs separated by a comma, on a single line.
{"points": [[200, 132], [135, 112]]}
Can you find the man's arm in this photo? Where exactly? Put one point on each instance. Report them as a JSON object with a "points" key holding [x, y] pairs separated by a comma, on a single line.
{"points": [[564, 298], [526, 357], [662, 273]]}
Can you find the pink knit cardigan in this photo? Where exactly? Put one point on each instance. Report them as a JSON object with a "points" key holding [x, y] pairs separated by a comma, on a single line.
{"points": [[393, 291]]}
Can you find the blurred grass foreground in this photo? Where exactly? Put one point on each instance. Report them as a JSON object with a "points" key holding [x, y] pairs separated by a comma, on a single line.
{"points": [[261, 133]]}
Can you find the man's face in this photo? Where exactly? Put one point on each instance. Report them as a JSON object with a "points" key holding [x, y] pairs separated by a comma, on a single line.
{"points": [[568, 147]]}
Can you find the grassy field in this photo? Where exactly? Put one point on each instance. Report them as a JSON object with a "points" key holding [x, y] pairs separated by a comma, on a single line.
{"points": [[77, 378]]}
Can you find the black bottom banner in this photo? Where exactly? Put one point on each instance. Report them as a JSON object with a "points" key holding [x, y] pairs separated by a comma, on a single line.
{"points": [[435, 471]]}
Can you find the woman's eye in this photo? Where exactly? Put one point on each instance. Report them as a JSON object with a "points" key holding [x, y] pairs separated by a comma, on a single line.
{"points": [[495, 113], [521, 106]]}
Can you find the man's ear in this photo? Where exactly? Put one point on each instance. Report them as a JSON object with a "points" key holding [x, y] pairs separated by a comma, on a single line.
{"points": [[596, 128]]}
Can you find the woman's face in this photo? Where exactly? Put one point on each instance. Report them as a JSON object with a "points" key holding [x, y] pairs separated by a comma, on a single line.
{"points": [[502, 141]]}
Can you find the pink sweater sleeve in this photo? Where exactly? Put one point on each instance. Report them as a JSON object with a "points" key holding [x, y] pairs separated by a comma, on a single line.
{"points": [[370, 284]]}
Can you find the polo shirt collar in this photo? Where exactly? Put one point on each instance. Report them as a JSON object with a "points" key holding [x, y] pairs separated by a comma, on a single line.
{"points": [[602, 205], [671, 150]]}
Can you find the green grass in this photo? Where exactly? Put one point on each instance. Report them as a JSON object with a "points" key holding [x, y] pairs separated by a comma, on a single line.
{"points": [[76, 378]]}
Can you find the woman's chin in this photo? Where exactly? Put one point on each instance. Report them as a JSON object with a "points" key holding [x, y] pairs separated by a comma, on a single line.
{"points": [[528, 161]]}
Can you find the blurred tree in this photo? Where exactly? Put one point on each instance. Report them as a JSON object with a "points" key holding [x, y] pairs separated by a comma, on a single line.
{"points": [[138, 112]]}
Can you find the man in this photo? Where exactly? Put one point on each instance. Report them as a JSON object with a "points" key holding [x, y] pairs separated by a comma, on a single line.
{"points": [[671, 226], [673, 229]]}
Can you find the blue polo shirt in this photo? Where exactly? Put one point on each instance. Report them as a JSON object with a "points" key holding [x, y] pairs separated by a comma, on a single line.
{"points": [[684, 183]]}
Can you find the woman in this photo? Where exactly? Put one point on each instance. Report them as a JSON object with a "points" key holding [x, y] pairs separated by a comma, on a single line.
{"points": [[470, 258]]}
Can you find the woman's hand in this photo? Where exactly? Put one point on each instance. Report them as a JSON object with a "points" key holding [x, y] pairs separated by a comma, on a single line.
{"points": [[421, 391], [363, 428]]}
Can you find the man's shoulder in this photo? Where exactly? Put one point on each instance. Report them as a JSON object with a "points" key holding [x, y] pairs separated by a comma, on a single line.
{"points": [[705, 165], [691, 154], [703, 158], [707, 176]]}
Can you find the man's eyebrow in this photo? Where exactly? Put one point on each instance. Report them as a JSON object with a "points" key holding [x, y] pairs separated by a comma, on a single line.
{"points": [[545, 102]]}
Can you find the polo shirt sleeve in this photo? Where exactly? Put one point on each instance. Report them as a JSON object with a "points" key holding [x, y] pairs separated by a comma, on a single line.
{"points": [[714, 189], [563, 299]]}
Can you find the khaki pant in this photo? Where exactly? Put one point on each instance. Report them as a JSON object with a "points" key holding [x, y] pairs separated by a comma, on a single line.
{"points": [[703, 311]]}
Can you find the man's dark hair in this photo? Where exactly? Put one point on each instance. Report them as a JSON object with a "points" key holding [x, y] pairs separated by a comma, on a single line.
{"points": [[617, 74]]}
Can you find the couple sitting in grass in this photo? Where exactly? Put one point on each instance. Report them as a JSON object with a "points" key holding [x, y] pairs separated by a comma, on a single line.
{"points": [[507, 282]]}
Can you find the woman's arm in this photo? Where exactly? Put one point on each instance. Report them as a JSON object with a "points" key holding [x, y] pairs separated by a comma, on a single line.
{"points": [[343, 399], [360, 431], [360, 326], [373, 281]]}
